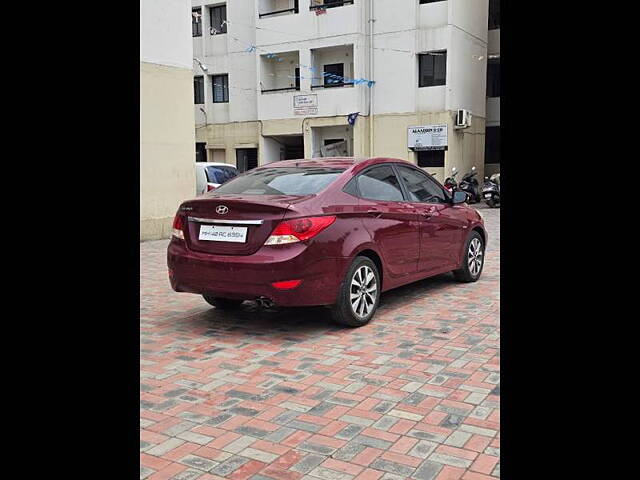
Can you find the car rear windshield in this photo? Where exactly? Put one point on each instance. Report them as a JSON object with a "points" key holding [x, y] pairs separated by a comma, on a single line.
{"points": [[282, 181], [219, 174]]}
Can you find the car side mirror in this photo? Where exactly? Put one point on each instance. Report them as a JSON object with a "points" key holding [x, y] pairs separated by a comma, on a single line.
{"points": [[459, 197]]}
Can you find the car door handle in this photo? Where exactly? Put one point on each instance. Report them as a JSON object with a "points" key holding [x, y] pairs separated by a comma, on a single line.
{"points": [[428, 213], [375, 212]]}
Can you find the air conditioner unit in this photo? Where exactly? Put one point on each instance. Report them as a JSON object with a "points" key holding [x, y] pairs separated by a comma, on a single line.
{"points": [[463, 118]]}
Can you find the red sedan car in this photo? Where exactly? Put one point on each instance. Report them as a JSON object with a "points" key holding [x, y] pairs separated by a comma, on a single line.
{"points": [[328, 231]]}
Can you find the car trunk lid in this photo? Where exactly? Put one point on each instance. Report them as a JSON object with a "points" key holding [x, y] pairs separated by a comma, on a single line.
{"points": [[258, 214]]}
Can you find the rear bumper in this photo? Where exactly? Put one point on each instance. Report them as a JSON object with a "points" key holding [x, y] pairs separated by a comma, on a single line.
{"points": [[250, 276]]}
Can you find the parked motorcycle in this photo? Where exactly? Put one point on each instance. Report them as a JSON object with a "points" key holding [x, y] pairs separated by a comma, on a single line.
{"points": [[491, 190], [470, 186], [450, 182]]}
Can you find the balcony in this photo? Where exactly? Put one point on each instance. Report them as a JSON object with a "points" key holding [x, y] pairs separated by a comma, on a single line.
{"points": [[271, 8], [279, 72], [332, 67], [283, 23]]}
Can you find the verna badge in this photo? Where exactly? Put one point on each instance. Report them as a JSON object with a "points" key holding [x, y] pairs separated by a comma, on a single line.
{"points": [[222, 209]]}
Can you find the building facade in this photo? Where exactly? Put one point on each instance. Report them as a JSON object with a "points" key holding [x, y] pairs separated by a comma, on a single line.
{"points": [[167, 174], [281, 79], [492, 132]]}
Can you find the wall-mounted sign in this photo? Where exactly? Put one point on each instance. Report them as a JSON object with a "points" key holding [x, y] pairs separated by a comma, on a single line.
{"points": [[428, 137], [305, 104]]}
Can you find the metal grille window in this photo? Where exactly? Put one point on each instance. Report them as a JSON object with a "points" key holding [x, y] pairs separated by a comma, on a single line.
{"points": [[493, 78], [198, 90], [196, 22], [430, 1], [218, 17], [431, 158], [321, 4], [334, 74], [494, 14], [492, 145], [220, 88], [432, 69]]}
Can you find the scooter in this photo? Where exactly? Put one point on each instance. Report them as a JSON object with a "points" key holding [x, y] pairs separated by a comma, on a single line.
{"points": [[450, 182], [491, 190], [470, 186]]}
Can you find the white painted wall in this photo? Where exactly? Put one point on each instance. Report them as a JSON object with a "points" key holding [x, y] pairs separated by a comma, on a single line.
{"points": [[160, 34], [271, 150], [225, 53], [167, 137], [402, 29]]}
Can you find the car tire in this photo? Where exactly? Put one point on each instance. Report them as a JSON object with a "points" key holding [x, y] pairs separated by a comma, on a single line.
{"points": [[472, 259], [357, 314], [222, 303]]}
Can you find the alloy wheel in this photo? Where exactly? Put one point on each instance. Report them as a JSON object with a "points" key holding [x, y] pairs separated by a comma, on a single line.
{"points": [[474, 256], [363, 291]]}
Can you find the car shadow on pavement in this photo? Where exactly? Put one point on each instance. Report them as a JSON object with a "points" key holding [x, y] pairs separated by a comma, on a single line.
{"points": [[251, 319], [405, 295], [254, 320]]}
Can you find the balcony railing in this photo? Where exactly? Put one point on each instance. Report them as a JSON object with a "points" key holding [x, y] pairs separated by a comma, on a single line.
{"points": [[280, 89], [277, 12], [317, 5], [332, 85]]}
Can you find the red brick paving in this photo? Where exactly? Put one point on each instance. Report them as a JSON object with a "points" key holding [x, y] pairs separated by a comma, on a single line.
{"points": [[256, 394]]}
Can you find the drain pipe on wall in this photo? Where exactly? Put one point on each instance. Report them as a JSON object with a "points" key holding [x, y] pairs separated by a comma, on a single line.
{"points": [[371, 127]]}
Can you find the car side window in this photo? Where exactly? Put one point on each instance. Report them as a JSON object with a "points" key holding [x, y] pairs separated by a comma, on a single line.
{"points": [[420, 187], [380, 183]]}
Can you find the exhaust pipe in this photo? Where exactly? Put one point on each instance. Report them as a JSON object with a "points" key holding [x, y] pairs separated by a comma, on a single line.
{"points": [[264, 302]]}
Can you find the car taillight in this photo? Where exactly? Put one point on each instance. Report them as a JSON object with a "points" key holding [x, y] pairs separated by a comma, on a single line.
{"points": [[210, 187], [298, 230], [177, 227]]}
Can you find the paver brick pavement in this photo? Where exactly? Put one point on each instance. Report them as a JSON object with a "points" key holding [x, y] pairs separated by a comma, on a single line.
{"points": [[265, 394]]}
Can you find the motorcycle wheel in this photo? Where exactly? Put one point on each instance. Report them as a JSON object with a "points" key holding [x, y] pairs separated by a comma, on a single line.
{"points": [[491, 203]]}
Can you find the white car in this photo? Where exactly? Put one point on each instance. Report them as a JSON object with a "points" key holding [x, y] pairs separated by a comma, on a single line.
{"points": [[210, 175]]}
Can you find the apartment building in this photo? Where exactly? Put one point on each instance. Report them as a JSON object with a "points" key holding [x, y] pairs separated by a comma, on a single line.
{"points": [[167, 175], [281, 79], [492, 132]]}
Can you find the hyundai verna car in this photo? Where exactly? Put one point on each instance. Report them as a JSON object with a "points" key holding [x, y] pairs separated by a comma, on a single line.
{"points": [[332, 231]]}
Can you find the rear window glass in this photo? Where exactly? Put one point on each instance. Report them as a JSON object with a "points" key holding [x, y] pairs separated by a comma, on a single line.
{"points": [[219, 174], [282, 181]]}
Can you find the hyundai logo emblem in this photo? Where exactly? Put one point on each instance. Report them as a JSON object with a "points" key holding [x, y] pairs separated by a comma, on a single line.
{"points": [[222, 209]]}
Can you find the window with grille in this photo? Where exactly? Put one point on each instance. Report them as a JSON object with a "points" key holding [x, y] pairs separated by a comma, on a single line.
{"points": [[220, 88], [334, 74], [493, 77], [198, 90], [218, 18], [494, 14], [432, 69], [431, 158], [492, 145], [196, 22]]}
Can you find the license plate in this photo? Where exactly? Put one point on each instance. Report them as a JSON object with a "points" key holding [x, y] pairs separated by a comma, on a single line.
{"points": [[488, 195], [216, 233]]}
